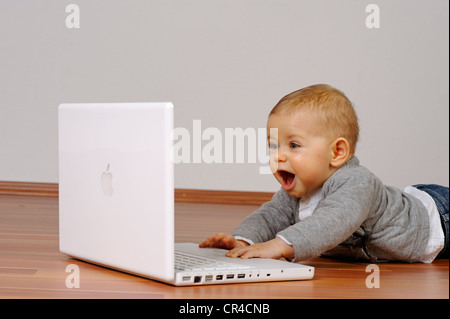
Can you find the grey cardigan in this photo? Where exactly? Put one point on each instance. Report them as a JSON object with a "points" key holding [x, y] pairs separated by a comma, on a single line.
{"points": [[358, 218]]}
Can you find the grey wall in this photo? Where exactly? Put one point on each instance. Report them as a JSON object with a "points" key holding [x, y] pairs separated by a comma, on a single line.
{"points": [[227, 63]]}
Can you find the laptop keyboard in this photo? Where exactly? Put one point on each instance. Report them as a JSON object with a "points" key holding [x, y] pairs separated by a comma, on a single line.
{"points": [[188, 262]]}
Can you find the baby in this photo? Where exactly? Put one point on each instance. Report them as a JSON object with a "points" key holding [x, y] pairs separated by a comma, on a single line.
{"points": [[329, 204]]}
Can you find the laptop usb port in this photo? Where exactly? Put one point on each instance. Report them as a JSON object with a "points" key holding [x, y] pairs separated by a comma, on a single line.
{"points": [[186, 278], [208, 278], [240, 276], [219, 277], [230, 276]]}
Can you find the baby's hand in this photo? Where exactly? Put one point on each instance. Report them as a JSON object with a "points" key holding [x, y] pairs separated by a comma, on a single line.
{"points": [[275, 248], [222, 240]]}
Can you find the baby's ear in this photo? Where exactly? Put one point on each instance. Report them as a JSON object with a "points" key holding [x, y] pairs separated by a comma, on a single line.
{"points": [[341, 152]]}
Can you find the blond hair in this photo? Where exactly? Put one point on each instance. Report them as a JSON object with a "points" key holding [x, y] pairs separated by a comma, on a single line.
{"points": [[333, 108]]}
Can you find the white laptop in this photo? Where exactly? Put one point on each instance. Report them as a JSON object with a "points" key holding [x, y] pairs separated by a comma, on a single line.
{"points": [[116, 200]]}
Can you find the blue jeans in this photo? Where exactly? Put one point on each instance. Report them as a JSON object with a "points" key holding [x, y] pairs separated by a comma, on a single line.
{"points": [[440, 196]]}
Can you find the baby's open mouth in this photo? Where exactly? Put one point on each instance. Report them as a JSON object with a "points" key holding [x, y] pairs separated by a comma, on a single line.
{"points": [[288, 179]]}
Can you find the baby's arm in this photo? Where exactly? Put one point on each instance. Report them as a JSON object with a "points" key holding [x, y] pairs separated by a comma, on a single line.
{"points": [[261, 228], [266, 222]]}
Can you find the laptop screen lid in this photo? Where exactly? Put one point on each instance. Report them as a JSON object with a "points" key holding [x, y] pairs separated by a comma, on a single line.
{"points": [[116, 186]]}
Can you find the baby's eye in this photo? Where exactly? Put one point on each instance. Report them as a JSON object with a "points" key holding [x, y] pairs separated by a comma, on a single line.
{"points": [[294, 145], [273, 146]]}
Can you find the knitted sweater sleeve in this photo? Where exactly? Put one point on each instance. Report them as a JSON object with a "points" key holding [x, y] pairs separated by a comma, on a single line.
{"points": [[271, 218]]}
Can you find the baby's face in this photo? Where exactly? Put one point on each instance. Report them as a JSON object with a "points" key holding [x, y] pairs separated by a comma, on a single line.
{"points": [[300, 153]]}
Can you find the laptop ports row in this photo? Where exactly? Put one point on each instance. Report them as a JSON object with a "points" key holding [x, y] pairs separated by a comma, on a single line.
{"points": [[209, 278], [232, 276], [198, 279]]}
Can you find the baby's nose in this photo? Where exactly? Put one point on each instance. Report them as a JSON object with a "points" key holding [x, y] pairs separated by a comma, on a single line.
{"points": [[281, 156]]}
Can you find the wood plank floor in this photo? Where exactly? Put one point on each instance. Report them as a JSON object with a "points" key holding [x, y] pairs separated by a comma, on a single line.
{"points": [[31, 265]]}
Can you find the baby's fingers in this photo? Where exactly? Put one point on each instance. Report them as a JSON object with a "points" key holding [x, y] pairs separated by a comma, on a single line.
{"points": [[209, 242], [206, 243], [239, 252], [247, 252], [220, 240]]}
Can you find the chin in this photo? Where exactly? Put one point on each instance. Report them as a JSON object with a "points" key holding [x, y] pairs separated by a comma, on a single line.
{"points": [[294, 193]]}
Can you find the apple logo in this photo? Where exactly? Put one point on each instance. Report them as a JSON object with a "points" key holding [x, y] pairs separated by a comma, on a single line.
{"points": [[107, 182]]}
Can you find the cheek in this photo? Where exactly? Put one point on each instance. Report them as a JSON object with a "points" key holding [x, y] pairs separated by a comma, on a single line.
{"points": [[273, 164], [308, 170]]}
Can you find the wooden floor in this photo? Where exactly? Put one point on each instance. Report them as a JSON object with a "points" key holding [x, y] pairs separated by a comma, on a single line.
{"points": [[31, 265]]}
